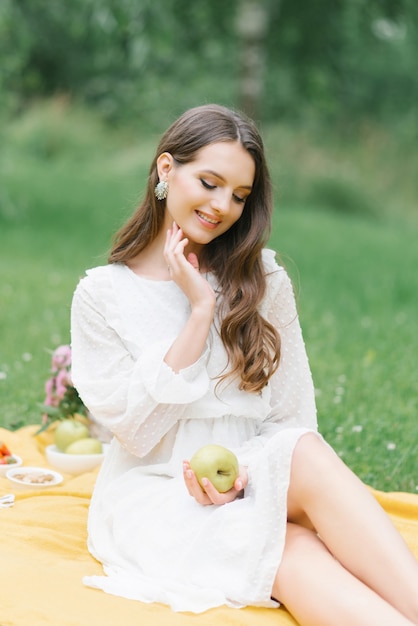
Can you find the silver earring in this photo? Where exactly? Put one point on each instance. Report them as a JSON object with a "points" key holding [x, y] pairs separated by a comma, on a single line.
{"points": [[161, 190]]}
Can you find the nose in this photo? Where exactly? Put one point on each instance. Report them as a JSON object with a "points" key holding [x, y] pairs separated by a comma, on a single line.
{"points": [[221, 202]]}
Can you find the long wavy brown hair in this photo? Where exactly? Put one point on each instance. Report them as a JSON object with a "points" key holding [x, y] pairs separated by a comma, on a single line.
{"points": [[251, 342]]}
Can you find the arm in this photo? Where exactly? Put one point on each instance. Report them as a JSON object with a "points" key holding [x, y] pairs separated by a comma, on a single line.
{"points": [[139, 395], [190, 343], [132, 392]]}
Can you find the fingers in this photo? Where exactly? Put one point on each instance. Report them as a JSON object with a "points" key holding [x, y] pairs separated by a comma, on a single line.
{"points": [[175, 244], [242, 480], [193, 260], [214, 496], [220, 498], [185, 272], [193, 486]]}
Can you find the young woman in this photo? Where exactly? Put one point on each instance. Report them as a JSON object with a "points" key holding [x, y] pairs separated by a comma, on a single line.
{"points": [[190, 336]]}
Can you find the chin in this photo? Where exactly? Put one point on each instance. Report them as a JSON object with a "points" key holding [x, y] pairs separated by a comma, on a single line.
{"points": [[200, 238]]}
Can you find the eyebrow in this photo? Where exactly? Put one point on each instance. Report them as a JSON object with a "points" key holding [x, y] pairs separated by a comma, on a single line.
{"points": [[213, 173]]}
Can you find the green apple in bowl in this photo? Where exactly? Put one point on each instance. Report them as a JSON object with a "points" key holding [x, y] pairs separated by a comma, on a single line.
{"points": [[68, 431], [217, 464], [88, 445]]}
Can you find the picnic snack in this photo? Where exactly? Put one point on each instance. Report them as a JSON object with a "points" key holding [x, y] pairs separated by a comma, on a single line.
{"points": [[34, 478], [6, 457]]}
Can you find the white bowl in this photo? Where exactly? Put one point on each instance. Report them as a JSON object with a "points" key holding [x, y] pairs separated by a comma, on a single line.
{"points": [[73, 463], [4, 468], [33, 477]]}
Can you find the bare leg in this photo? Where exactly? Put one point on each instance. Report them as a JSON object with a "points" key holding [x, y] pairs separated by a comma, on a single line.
{"points": [[318, 591], [352, 525]]}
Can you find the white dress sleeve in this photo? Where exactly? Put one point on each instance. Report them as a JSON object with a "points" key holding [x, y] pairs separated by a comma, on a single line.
{"points": [[292, 389], [138, 397], [292, 396]]}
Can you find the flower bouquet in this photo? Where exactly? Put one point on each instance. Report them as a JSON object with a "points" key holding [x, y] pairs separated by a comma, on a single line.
{"points": [[61, 400]]}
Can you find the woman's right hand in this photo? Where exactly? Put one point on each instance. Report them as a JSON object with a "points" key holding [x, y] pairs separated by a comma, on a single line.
{"points": [[190, 344], [185, 272]]}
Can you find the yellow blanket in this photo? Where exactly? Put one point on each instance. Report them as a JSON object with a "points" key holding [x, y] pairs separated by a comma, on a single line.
{"points": [[43, 558]]}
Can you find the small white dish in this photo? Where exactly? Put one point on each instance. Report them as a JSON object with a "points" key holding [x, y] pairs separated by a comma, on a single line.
{"points": [[73, 463], [7, 466], [33, 477]]}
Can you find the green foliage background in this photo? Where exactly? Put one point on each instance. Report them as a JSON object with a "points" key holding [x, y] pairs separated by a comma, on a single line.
{"points": [[340, 59], [87, 87]]}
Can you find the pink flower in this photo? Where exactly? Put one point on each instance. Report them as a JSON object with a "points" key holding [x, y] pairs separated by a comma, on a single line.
{"points": [[61, 358], [61, 384], [61, 397]]}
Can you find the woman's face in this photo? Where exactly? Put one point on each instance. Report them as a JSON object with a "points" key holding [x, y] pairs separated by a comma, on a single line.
{"points": [[207, 196]]}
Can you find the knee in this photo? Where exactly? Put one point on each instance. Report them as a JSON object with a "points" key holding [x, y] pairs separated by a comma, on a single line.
{"points": [[310, 444], [298, 541], [301, 546], [312, 462], [312, 459]]}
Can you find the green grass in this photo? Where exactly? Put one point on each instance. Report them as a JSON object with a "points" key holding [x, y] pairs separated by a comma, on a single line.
{"points": [[346, 237], [358, 296]]}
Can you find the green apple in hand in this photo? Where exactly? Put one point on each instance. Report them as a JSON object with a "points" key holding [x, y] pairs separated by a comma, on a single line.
{"points": [[68, 431], [217, 464]]}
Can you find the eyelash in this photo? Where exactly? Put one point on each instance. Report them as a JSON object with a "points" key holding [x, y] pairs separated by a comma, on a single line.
{"points": [[206, 185]]}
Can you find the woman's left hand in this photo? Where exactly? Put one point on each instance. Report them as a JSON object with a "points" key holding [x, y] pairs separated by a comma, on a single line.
{"points": [[211, 495]]}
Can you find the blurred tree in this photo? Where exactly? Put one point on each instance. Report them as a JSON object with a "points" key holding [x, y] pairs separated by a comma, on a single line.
{"points": [[344, 59], [252, 19], [122, 56], [347, 58]]}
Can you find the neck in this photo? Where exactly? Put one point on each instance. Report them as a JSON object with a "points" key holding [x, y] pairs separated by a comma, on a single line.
{"points": [[150, 262]]}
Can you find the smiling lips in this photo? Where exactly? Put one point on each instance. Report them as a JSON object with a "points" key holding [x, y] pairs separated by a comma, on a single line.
{"points": [[208, 220]]}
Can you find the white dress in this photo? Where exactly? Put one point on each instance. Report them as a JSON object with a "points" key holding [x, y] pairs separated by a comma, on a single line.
{"points": [[155, 542]]}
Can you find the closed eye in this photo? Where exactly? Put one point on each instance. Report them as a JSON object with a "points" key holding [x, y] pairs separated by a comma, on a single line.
{"points": [[206, 184], [236, 198], [239, 199]]}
